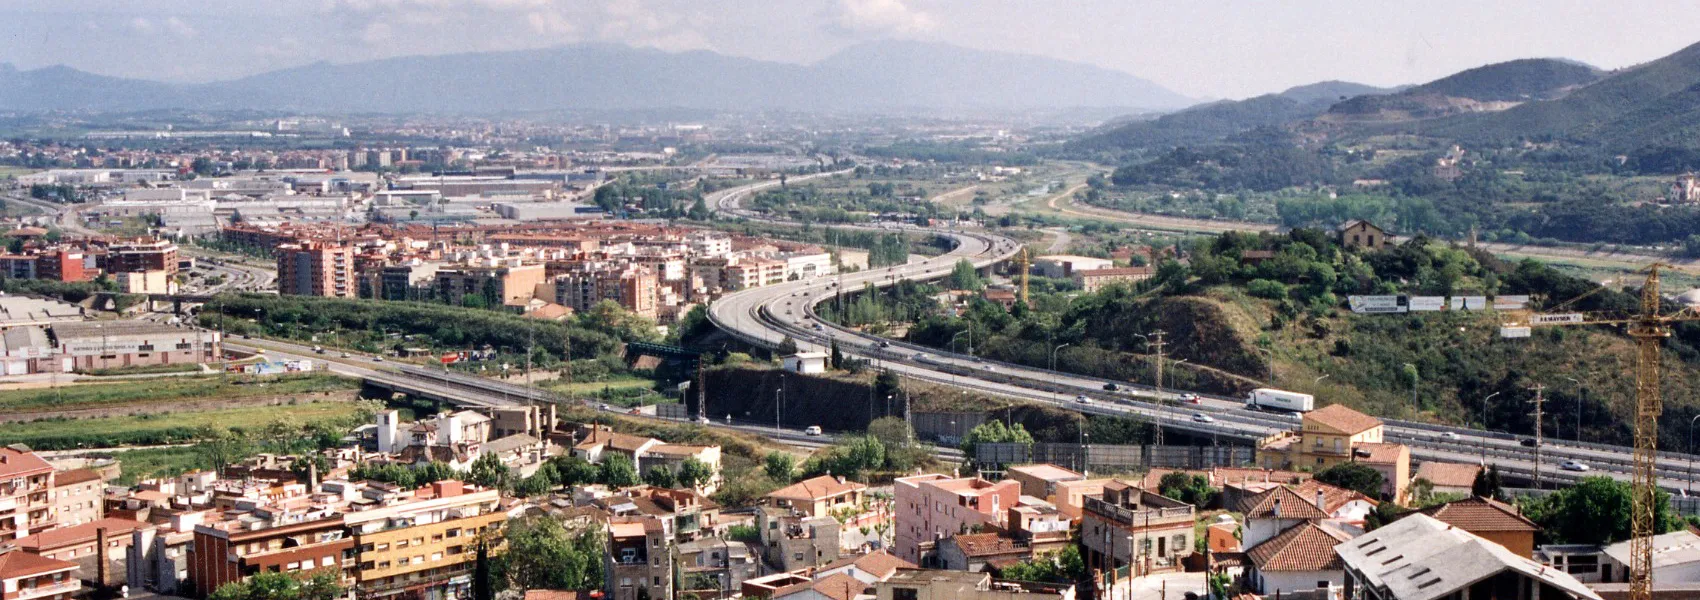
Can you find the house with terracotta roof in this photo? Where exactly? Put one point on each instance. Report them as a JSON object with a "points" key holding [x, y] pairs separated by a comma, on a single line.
{"points": [[977, 551], [831, 587], [1299, 559], [1128, 526], [77, 496], [1040, 480], [1335, 434], [933, 507], [1393, 461], [1448, 477], [81, 544], [869, 568], [1274, 511], [26, 576], [818, 496], [1490, 519]]}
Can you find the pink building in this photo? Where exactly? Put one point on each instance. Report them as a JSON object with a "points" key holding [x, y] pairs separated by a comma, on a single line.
{"points": [[933, 507]]}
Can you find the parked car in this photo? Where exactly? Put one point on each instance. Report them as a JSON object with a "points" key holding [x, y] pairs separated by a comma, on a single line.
{"points": [[1574, 465], [1203, 418], [811, 430]]}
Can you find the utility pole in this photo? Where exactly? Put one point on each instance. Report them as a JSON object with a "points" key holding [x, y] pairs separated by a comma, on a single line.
{"points": [[1157, 431], [1539, 401]]}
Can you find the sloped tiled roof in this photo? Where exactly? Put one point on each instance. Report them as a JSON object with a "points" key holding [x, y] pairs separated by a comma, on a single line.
{"points": [[21, 463], [1380, 454], [1303, 547], [75, 476], [1446, 474], [818, 488], [1481, 514], [839, 586], [18, 563], [1340, 418], [1291, 504], [1333, 497], [882, 564], [986, 544]]}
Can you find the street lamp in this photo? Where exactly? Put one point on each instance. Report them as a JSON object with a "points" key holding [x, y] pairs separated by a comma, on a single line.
{"points": [[1691, 454], [1579, 398], [1485, 424], [1054, 355]]}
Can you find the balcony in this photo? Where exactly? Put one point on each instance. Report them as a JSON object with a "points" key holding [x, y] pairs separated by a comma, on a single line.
{"points": [[1139, 517], [70, 585]]}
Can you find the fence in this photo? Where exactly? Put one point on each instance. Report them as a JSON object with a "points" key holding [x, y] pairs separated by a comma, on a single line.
{"points": [[945, 427], [1683, 505], [1113, 456]]}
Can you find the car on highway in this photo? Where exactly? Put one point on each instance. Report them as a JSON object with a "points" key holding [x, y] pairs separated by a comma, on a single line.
{"points": [[318, 349], [885, 344], [919, 356], [1449, 435], [1083, 399], [1111, 387], [377, 359], [1191, 398], [812, 430], [343, 355], [988, 367], [1528, 442], [1202, 418], [1574, 465]]}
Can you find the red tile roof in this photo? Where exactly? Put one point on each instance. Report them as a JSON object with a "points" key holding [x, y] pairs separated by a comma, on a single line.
{"points": [[1303, 547], [1333, 497], [75, 476], [60, 537], [882, 564], [1291, 504], [1340, 418], [1381, 454], [16, 463], [987, 544], [17, 563], [1481, 514], [818, 488], [839, 586], [1445, 474]]}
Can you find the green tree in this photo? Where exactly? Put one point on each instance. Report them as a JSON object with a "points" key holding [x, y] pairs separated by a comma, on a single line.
{"points": [[1487, 484], [266, 585], [483, 584], [572, 470], [488, 471], [617, 471], [543, 554], [659, 476], [700, 211], [780, 466], [787, 346], [1594, 511], [1353, 476], [964, 277], [837, 356], [610, 318], [694, 473], [994, 432], [1188, 488]]}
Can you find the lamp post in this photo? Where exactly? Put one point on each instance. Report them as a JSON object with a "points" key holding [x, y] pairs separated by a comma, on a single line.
{"points": [[1691, 454], [1583, 394], [1485, 424], [1054, 394]]}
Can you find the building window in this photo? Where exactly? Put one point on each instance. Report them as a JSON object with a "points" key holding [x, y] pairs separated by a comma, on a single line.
{"points": [[903, 593]]}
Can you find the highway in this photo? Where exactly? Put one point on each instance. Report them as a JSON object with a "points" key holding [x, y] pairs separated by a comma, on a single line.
{"points": [[766, 315]]}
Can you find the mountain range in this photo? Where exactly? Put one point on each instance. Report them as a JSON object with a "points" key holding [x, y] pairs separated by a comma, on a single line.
{"points": [[874, 76]]}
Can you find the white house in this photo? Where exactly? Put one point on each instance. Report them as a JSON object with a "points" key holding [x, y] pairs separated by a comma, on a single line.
{"points": [[806, 362]]}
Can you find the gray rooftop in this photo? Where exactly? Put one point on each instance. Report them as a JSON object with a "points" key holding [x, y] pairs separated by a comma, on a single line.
{"points": [[1421, 558], [1679, 547]]}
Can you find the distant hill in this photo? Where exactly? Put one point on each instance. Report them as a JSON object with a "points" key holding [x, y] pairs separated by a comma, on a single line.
{"points": [[1652, 103], [1487, 88], [1218, 120], [873, 76]]}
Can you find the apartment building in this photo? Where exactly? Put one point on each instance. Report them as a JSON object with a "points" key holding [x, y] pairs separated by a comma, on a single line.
{"points": [[25, 576], [1128, 526], [316, 269], [62, 265], [506, 284], [639, 563], [77, 497], [99, 547], [142, 255], [26, 494], [1092, 280], [752, 272], [424, 547], [818, 496], [235, 549], [933, 507], [793, 540], [636, 288]]}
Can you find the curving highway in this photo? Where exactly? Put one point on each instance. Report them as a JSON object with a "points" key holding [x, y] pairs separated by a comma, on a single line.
{"points": [[764, 316]]}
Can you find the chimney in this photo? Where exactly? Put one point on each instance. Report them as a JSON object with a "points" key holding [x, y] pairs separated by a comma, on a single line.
{"points": [[1321, 503], [100, 557], [312, 475], [1277, 508]]}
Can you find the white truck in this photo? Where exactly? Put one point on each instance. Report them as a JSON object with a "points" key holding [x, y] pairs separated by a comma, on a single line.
{"points": [[1267, 398]]}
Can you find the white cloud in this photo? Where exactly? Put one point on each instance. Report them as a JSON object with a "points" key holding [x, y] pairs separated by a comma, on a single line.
{"points": [[141, 25], [178, 28], [881, 16]]}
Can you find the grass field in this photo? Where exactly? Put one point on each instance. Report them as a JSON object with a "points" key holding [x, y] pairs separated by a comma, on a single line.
{"points": [[169, 389], [164, 428], [136, 465], [594, 387]]}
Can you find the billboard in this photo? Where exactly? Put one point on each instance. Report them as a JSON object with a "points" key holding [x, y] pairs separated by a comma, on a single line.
{"points": [[1514, 332], [1427, 303], [1555, 319], [1510, 302], [1375, 304], [1469, 302]]}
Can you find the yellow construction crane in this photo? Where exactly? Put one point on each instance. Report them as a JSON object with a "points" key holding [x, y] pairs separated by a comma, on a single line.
{"points": [[1025, 262], [1649, 328]]}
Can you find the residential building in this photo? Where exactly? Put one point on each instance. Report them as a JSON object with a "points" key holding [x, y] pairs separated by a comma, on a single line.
{"points": [[1129, 526], [932, 507], [1448, 478], [927, 584], [1092, 280], [1392, 461], [1358, 233], [869, 568], [26, 494], [1327, 436], [672, 457], [116, 344], [424, 547], [818, 496], [504, 284], [830, 587], [89, 545], [715, 567], [18, 266], [144, 282], [1491, 520], [1298, 560], [1421, 558], [1039, 524], [1063, 266], [158, 557], [794, 540], [142, 255], [1071, 496], [408, 281], [752, 272], [62, 265], [634, 288], [1040, 481], [639, 562], [232, 550], [977, 551], [77, 496], [316, 269], [25, 576]]}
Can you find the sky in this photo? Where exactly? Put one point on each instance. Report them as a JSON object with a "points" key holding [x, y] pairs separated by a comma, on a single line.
{"points": [[1205, 49]]}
